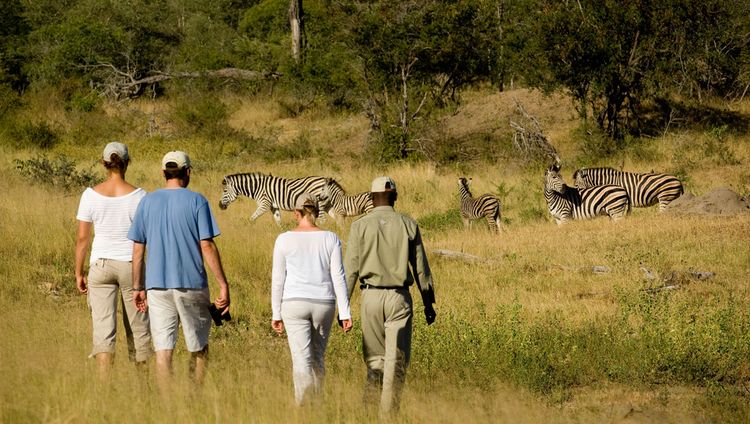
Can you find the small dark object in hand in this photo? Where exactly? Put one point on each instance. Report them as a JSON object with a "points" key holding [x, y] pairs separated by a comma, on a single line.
{"points": [[217, 315]]}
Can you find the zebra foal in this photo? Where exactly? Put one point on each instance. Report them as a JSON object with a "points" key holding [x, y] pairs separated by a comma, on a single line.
{"points": [[485, 206], [342, 205], [643, 189], [565, 203], [273, 193]]}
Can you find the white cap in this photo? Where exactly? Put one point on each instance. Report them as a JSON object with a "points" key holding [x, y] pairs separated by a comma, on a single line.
{"points": [[381, 184], [117, 148], [303, 200], [180, 159]]}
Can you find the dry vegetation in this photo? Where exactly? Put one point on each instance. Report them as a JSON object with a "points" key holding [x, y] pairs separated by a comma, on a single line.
{"points": [[529, 334]]}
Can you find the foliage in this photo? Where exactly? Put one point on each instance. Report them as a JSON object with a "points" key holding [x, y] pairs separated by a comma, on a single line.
{"points": [[59, 172], [614, 55], [716, 147], [34, 134], [415, 55], [13, 29], [440, 221]]}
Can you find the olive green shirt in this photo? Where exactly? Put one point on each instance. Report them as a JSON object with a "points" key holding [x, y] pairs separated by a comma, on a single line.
{"points": [[385, 250]]}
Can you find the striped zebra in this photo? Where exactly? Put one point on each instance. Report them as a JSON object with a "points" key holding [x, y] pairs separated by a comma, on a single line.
{"points": [[485, 206], [643, 189], [272, 193], [342, 205], [565, 203]]}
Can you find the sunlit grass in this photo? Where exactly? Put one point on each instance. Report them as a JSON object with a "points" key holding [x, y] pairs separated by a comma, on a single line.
{"points": [[528, 334]]}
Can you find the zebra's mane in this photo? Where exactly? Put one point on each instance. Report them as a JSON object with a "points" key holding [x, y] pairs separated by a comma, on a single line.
{"points": [[465, 185], [239, 174], [335, 183]]}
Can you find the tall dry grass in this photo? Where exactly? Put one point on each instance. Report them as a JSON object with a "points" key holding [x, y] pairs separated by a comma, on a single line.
{"points": [[527, 334]]}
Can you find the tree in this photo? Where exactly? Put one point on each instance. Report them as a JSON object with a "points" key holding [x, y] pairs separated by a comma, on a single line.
{"points": [[415, 56], [13, 31], [613, 55], [298, 30]]}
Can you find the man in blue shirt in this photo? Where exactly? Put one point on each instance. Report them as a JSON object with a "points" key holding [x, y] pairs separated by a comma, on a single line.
{"points": [[174, 226]]}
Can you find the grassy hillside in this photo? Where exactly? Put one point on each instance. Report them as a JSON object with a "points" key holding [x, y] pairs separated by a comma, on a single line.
{"points": [[528, 333]]}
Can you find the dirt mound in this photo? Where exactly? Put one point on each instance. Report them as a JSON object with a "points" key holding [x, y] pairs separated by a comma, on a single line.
{"points": [[720, 201]]}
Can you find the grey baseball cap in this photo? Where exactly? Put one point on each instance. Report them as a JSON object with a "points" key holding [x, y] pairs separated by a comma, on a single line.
{"points": [[180, 159], [381, 184], [117, 148]]}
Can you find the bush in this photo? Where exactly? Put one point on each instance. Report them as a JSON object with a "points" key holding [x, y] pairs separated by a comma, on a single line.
{"points": [[207, 116], [715, 147], [29, 134], [441, 221], [58, 172], [300, 148], [82, 102]]}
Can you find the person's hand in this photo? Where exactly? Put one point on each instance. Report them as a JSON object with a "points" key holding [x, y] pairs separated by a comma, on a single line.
{"points": [[82, 283], [222, 302], [139, 298], [278, 326], [346, 324], [430, 314]]}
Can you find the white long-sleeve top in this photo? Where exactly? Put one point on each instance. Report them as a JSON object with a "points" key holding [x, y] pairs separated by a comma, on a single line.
{"points": [[307, 265]]}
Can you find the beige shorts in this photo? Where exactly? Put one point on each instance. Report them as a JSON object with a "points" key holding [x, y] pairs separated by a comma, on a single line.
{"points": [[106, 278], [170, 307]]}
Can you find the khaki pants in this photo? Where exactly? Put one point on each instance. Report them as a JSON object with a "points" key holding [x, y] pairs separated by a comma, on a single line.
{"points": [[106, 278], [386, 342]]}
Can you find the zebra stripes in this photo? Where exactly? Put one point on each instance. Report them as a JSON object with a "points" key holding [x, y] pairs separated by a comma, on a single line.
{"points": [[485, 206], [643, 189], [565, 203], [272, 193], [344, 205]]}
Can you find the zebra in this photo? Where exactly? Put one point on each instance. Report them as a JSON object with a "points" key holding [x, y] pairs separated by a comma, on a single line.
{"points": [[565, 202], [486, 205], [643, 189], [342, 205], [272, 193]]}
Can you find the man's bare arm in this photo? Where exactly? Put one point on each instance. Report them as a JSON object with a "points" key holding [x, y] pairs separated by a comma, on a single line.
{"points": [[213, 260]]}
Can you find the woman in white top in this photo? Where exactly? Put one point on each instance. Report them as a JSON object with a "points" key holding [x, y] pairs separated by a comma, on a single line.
{"points": [[110, 207], [308, 283]]}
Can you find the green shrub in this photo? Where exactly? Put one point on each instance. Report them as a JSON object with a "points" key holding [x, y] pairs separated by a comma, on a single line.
{"points": [[300, 148], [82, 102], [441, 221], [715, 147], [58, 172], [206, 116], [30, 134]]}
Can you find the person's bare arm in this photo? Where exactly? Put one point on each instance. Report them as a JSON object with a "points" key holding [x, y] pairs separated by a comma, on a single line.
{"points": [[139, 285], [213, 260], [83, 238]]}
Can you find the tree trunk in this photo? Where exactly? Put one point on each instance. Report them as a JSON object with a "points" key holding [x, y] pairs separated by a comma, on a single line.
{"points": [[295, 22]]}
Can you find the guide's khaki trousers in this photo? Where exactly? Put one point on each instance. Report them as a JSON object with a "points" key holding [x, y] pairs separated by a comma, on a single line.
{"points": [[386, 342]]}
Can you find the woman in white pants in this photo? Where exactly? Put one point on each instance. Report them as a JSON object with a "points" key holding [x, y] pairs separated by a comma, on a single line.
{"points": [[308, 283]]}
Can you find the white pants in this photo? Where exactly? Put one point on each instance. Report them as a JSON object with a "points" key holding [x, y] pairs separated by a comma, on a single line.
{"points": [[308, 325]]}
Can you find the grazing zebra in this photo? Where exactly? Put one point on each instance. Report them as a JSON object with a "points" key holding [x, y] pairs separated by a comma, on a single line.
{"points": [[342, 205], [565, 203], [272, 193], [643, 189], [486, 205]]}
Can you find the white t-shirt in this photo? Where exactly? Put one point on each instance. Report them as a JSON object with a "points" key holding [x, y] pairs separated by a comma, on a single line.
{"points": [[307, 265], [111, 217]]}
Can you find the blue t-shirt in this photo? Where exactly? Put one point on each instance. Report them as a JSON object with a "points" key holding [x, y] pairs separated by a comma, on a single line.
{"points": [[171, 223]]}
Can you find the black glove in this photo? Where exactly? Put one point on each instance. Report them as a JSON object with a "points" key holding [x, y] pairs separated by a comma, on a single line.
{"points": [[429, 314]]}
